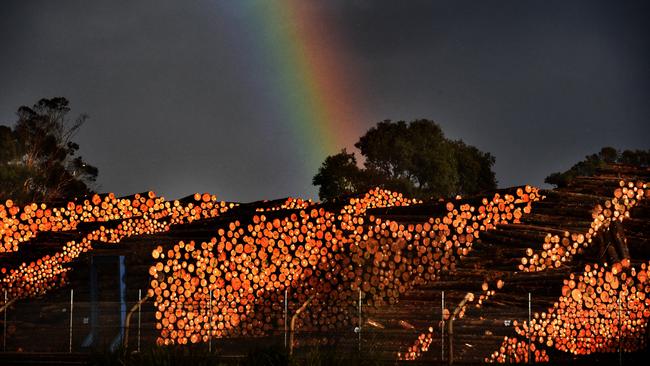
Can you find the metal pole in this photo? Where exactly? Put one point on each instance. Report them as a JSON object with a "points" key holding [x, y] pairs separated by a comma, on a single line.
{"points": [[528, 328], [359, 320], [122, 273], [286, 312], [442, 332], [139, 316], [450, 331], [210, 323], [4, 330], [71, 311], [620, 353]]}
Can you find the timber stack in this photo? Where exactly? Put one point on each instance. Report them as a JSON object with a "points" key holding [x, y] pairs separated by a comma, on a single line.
{"points": [[224, 270]]}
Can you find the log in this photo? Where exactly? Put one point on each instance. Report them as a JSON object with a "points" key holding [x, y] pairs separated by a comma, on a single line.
{"points": [[617, 236], [293, 322]]}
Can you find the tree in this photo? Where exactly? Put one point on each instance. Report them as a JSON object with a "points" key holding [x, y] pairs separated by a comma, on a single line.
{"points": [[38, 159], [339, 175], [593, 162], [413, 158], [474, 169]]}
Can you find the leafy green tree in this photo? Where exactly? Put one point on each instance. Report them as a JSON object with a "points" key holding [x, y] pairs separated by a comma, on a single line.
{"points": [[593, 162], [38, 159], [413, 158], [474, 169], [339, 175]]}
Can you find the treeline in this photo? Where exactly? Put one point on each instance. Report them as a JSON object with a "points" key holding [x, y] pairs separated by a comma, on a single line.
{"points": [[590, 165], [38, 158]]}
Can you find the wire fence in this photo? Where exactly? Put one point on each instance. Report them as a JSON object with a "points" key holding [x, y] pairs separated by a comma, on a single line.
{"points": [[75, 324], [71, 322]]}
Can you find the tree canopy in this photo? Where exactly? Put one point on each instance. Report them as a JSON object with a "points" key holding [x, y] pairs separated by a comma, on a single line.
{"points": [[593, 162], [413, 158], [38, 159]]}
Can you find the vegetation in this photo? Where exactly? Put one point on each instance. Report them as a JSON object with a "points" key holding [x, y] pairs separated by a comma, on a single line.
{"points": [[414, 158], [38, 159], [593, 162]]}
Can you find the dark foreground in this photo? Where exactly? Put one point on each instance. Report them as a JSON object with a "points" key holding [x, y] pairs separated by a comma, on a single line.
{"points": [[267, 357]]}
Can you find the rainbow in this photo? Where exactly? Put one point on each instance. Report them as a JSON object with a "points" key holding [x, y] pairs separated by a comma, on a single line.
{"points": [[318, 93]]}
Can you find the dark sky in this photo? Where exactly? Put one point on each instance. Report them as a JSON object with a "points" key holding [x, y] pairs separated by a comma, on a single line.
{"points": [[183, 96]]}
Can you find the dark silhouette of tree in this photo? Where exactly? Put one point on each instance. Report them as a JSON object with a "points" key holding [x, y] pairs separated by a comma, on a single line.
{"points": [[413, 158], [339, 175], [474, 169], [593, 162], [38, 159]]}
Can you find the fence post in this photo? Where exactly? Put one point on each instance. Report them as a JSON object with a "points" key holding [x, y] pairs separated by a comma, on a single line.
{"points": [[442, 332], [139, 316], [4, 326], [71, 312], [359, 320], [122, 283], [286, 312], [452, 317], [528, 328], [210, 323], [620, 332], [292, 325]]}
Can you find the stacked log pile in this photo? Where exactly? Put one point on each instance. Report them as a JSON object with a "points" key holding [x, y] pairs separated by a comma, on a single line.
{"points": [[246, 266], [234, 283], [22, 224], [221, 269], [119, 217], [600, 310], [492, 271], [561, 248], [515, 351], [289, 203], [605, 306]]}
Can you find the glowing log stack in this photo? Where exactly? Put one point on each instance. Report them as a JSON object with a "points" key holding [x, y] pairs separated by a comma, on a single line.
{"points": [[492, 269], [516, 351], [246, 268], [600, 310], [421, 345], [375, 198], [395, 257], [487, 292], [424, 340], [18, 225], [144, 215], [197, 207], [603, 307], [290, 203], [558, 249], [248, 265], [399, 252]]}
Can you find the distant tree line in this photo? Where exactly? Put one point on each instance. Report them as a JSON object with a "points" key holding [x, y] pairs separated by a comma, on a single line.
{"points": [[593, 162], [38, 158], [413, 158]]}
